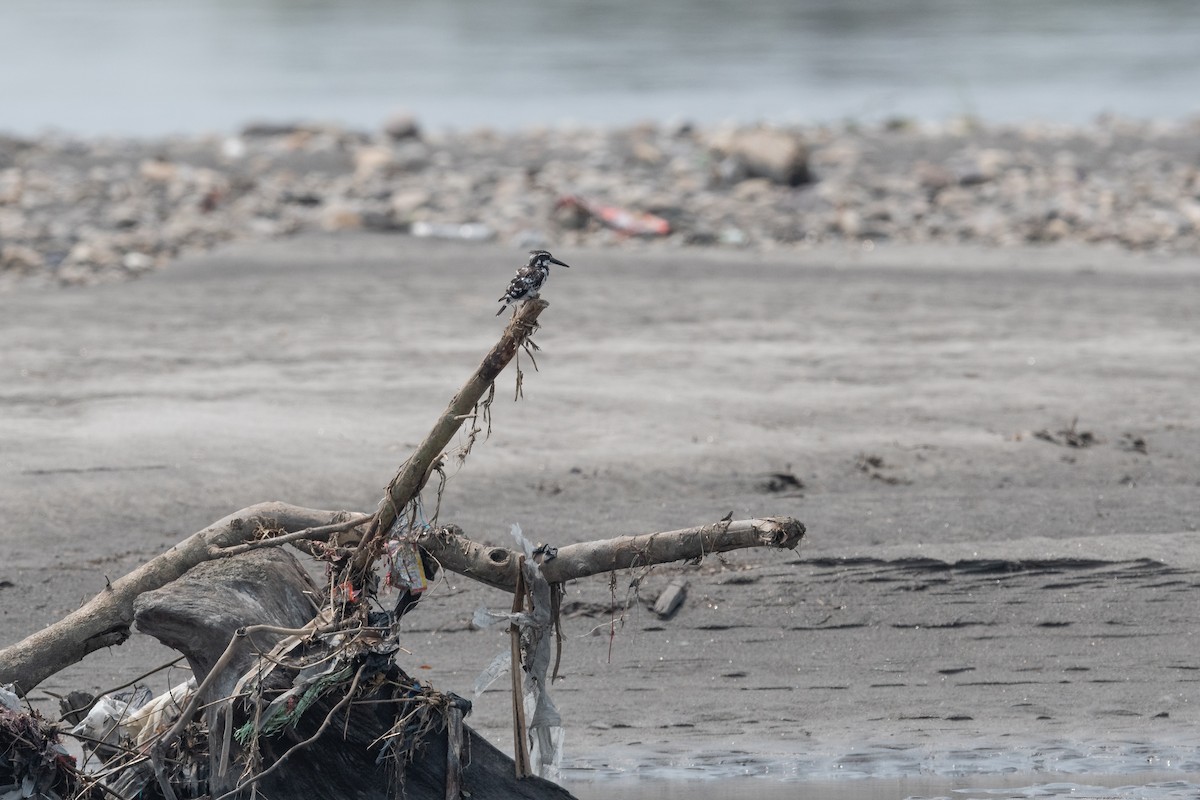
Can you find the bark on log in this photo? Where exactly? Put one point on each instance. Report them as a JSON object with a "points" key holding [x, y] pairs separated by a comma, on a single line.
{"points": [[497, 566], [105, 619], [199, 615]]}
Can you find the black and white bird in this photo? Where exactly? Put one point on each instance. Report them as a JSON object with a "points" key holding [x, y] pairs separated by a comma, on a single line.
{"points": [[529, 279]]}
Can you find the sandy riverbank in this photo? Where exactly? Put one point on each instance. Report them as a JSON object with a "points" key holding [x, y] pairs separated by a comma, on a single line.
{"points": [[970, 594]]}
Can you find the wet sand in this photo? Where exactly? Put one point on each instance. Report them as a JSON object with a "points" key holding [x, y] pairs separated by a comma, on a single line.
{"points": [[969, 593]]}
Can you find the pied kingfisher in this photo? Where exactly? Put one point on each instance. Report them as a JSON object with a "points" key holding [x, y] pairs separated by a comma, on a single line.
{"points": [[529, 279]]}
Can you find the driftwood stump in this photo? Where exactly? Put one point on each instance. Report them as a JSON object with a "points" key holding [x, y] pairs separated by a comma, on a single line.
{"points": [[200, 614]]}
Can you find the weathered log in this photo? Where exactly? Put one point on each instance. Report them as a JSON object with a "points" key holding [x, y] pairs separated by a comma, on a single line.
{"points": [[497, 566], [105, 619], [198, 614], [202, 612]]}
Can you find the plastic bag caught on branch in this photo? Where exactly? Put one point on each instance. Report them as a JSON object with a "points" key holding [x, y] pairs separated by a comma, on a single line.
{"points": [[536, 629]]}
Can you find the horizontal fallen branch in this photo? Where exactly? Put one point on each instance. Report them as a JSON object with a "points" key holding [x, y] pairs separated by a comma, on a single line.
{"points": [[497, 566]]}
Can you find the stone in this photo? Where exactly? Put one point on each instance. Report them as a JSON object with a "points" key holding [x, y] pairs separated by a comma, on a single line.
{"points": [[411, 156], [646, 152], [849, 222], [404, 203], [402, 125], [371, 161], [19, 258], [752, 189], [341, 217], [769, 153], [1190, 209], [137, 262], [158, 170]]}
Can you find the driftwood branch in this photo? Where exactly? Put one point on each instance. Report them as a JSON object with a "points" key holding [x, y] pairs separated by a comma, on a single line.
{"points": [[498, 566], [414, 473], [105, 620]]}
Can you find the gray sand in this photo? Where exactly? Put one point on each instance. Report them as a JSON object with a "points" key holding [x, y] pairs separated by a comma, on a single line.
{"points": [[967, 589]]}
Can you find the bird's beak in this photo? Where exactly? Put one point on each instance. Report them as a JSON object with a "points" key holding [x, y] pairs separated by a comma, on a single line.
{"points": [[554, 260]]}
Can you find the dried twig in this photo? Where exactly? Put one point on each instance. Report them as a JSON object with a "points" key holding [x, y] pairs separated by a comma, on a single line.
{"points": [[321, 532]]}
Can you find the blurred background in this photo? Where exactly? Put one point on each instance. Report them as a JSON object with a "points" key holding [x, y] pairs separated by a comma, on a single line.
{"points": [[146, 67]]}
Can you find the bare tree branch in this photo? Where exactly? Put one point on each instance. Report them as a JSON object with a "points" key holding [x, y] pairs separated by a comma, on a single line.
{"points": [[415, 471], [497, 566], [105, 620]]}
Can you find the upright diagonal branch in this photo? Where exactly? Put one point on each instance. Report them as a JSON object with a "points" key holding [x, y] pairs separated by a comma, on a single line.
{"points": [[415, 471]]}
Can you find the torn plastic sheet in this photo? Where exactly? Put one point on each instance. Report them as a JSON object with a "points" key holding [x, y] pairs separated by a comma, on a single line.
{"points": [[485, 618], [496, 670], [546, 732], [110, 713], [524, 544], [9, 698], [159, 713], [133, 717]]}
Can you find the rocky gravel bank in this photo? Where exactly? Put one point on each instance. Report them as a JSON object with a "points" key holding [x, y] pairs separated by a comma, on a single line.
{"points": [[79, 210]]}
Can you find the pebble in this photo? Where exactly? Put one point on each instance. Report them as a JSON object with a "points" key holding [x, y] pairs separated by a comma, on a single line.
{"points": [[76, 210]]}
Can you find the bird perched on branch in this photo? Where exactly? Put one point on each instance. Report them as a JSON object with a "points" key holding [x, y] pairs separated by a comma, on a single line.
{"points": [[529, 279]]}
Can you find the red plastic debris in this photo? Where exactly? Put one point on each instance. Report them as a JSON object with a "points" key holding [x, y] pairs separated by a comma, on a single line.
{"points": [[632, 223]]}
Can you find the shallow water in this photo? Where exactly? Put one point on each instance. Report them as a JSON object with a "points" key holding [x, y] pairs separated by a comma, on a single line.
{"points": [[138, 67], [1107, 787], [1110, 769]]}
